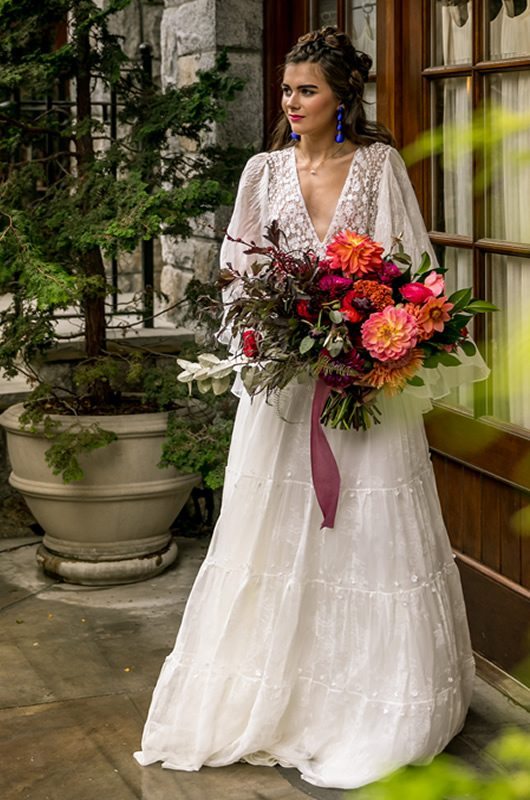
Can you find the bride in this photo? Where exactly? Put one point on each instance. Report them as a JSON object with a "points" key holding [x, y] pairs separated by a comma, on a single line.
{"points": [[342, 652]]}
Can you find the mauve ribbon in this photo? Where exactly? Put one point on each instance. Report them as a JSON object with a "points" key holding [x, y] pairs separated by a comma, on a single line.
{"points": [[326, 476]]}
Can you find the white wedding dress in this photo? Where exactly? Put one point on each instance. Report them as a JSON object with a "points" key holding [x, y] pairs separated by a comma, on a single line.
{"points": [[342, 652]]}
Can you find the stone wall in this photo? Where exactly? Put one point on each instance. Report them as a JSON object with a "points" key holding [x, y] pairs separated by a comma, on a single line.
{"points": [[192, 32]]}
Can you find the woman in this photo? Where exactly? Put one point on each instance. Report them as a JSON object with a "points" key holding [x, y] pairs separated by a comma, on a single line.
{"points": [[342, 652]]}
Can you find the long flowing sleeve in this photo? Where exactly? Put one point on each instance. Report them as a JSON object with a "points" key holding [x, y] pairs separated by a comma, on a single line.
{"points": [[398, 214], [248, 222]]}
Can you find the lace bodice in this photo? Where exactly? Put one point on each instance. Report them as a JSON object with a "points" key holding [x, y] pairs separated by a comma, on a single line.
{"points": [[356, 206], [377, 199]]}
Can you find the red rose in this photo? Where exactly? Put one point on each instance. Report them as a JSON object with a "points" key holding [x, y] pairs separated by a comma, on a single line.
{"points": [[349, 310], [250, 344], [303, 310], [416, 292]]}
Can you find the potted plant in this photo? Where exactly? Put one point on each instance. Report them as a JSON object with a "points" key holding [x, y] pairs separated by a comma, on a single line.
{"points": [[73, 196]]}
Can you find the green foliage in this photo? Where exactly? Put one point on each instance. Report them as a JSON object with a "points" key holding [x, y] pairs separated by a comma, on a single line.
{"points": [[85, 196], [200, 426], [196, 444], [63, 455], [448, 778], [61, 213]]}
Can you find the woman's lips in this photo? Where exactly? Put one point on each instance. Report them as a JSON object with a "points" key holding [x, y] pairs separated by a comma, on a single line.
{"points": [[295, 117]]}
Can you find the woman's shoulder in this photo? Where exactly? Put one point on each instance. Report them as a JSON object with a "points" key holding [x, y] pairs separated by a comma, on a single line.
{"points": [[260, 164], [377, 154]]}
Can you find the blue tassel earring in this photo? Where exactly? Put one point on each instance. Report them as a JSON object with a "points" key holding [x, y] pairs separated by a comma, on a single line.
{"points": [[295, 136], [339, 138]]}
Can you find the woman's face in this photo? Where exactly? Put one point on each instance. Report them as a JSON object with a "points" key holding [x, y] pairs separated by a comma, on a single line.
{"points": [[308, 100]]}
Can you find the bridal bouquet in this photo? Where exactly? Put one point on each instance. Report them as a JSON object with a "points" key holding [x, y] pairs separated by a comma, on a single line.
{"points": [[359, 321]]}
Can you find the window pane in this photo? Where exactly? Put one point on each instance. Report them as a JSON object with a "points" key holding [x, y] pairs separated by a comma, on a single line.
{"points": [[370, 100], [459, 275], [327, 13], [508, 27], [452, 178], [362, 25], [510, 334], [451, 33], [507, 209]]}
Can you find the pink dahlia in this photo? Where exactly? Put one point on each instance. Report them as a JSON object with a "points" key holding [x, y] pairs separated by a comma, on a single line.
{"points": [[389, 334], [354, 253]]}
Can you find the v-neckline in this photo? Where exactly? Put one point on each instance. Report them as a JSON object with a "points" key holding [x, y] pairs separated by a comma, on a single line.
{"points": [[323, 241]]}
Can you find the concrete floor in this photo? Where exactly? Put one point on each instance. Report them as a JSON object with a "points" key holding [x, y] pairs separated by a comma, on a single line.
{"points": [[77, 667]]}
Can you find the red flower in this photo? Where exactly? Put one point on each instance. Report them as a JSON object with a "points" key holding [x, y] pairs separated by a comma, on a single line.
{"points": [[348, 309], [303, 310], [250, 344], [416, 292]]}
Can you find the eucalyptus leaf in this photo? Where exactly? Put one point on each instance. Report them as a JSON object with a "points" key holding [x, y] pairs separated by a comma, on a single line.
{"points": [[335, 348], [221, 385], [306, 344], [335, 316]]}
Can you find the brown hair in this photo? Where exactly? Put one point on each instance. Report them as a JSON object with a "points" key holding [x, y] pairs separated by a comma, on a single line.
{"points": [[346, 71]]}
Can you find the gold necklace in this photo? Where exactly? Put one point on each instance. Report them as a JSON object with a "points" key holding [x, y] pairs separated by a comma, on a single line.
{"points": [[313, 170]]}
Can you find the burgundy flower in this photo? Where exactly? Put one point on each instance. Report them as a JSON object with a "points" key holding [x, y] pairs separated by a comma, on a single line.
{"points": [[250, 344], [388, 272], [338, 372], [334, 284]]}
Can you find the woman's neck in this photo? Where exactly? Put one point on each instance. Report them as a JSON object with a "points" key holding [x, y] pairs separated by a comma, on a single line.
{"points": [[316, 148]]}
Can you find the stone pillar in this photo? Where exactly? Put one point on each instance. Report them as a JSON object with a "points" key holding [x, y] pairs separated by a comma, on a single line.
{"points": [[192, 32]]}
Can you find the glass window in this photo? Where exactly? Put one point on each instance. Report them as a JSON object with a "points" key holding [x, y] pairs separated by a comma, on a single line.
{"points": [[508, 29], [327, 13], [362, 27], [452, 176], [507, 215], [509, 334], [459, 266], [451, 32]]}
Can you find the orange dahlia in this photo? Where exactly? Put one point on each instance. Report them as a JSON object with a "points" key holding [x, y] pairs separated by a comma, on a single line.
{"points": [[354, 253], [393, 375], [415, 311], [380, 296], [434, 314]]}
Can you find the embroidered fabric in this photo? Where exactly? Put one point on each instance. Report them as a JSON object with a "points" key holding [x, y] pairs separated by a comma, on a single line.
{"points": [[344, 653]]}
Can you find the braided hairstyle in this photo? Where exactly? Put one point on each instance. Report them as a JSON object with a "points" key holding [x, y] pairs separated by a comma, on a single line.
{"points": [[346, 70]]}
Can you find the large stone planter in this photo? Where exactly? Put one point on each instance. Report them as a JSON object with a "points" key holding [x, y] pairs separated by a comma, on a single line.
{"points": [[113, 526]]}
